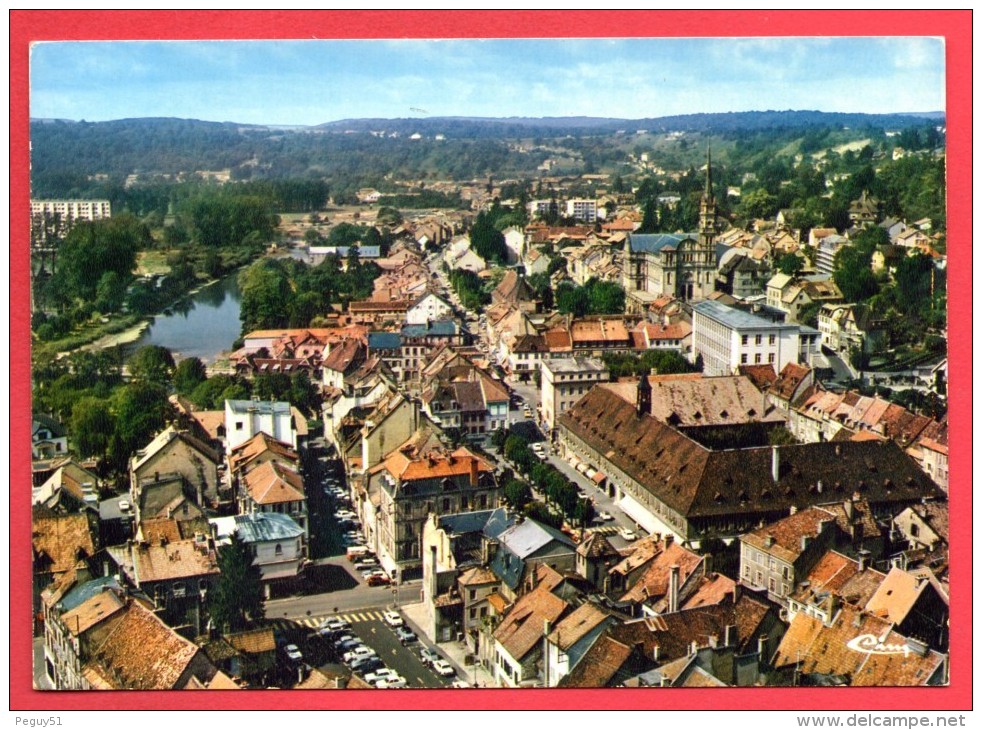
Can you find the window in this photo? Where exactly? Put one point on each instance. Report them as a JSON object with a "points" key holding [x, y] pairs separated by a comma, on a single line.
{"points": [[915, 531], [743, 359], [472, 594], [278, 550], [770, 357], [745, 339], [771, 585], [771, 339], [473, 613], [757, 359], [238, 425], [446, 505], [746, 571], [787, 572], [758, 339]]}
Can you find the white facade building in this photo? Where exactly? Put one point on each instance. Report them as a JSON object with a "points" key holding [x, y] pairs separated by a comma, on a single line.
{"points": [[428, 309], [727, 338], [245, 418], [565, 381], [582, 209]]}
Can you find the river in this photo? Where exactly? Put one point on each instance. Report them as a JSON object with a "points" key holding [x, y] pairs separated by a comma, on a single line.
{"points": [[202, 325]]}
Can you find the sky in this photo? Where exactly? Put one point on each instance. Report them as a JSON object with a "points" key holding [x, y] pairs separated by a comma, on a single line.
{"points": [[312, 82]]}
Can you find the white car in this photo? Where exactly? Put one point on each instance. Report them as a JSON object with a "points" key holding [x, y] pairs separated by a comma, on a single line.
{"points": [[443, 668], [380, 674], [627, 534], [393, 619], [605, 517], [393, 683], [460, 684], [293, 653], [361, 651]]}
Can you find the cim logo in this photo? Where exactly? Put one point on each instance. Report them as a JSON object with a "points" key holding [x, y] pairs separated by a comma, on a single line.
{"points": [[872, 644]]}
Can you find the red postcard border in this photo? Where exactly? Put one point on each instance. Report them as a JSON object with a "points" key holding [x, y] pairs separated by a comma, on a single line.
{"points": [[955, 26]]}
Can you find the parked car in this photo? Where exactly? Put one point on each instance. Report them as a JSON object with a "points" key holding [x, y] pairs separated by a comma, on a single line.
{"points": [[392, 683], [357, 653], [375, 579], [356, 551], [460, 684], [293, 653], [627, 534], [392, 618], [335, 624], [381, 674], [428, 656], [366, 664], [605, 517], [443, 668], [405, 635], [346, 642]]}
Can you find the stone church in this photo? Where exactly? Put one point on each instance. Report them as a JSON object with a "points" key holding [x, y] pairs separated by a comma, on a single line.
{"points": [[682, 265]]}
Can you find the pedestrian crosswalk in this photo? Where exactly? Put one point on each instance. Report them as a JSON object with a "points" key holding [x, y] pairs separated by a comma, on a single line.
{"points": [[605, 530], [314, 622]]}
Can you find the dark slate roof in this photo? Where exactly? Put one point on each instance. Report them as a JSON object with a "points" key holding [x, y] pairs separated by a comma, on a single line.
{"points": [[439, 328], [490, 522], [81, 593], [384, 341], [697, 482], [40, 421], [655, 242]]}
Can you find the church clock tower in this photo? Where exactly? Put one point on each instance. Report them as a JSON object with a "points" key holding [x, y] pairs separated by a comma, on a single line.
{"points": [[707, 206]]}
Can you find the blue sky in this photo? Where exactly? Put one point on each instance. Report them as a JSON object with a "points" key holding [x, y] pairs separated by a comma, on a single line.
{"points": [[309, 82]]}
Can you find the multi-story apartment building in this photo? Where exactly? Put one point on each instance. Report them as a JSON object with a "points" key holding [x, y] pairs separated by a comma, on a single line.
{"points": [[65, 213], [565, 381], [411, 488], [727, 338], [582, 209]]}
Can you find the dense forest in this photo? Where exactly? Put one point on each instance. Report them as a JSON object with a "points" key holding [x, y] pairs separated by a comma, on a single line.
{"points": [[95, 159]]}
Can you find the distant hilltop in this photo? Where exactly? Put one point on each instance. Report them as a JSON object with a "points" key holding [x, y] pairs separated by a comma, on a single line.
{"points": [[464, 126]]}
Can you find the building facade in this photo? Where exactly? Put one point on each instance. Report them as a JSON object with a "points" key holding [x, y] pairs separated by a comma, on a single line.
{"points": [[565, 381]]}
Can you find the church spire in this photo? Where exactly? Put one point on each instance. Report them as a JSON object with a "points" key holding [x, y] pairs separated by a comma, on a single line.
{"points": [[709, 173], [707, 207]]}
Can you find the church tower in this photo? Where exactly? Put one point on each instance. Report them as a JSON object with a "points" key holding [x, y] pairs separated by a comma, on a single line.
{"points": [[707, 206]]}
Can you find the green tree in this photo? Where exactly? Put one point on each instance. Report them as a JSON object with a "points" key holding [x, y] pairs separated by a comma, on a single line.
{"points": [[110, 292], [142, 410], [303, 393], [790, 264], [189, 374], [237, 599], [517, 493], [265, 296], [487, 241], [152, 364], [91, 427], [604, 297]]}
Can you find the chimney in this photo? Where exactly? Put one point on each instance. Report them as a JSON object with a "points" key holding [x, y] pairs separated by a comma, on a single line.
{"points": [[768, 540], [863, 558], [474, 471], [775, 465], [673, 589], [916, 646], [669, 537], [762, 649], [806, 540], [737, 590], [655, 653], [729, 635], [433, 572], [847, 506]]}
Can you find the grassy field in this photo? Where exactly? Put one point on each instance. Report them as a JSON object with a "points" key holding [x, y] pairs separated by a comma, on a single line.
{"points": [[149, 263]]}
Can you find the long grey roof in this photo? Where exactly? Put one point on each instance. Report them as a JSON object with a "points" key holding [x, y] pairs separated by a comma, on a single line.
{"points": [[655, 242], [266, 527], [531, 536], [736, 318], [440, 327], [384, 341], [260, 406]]}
